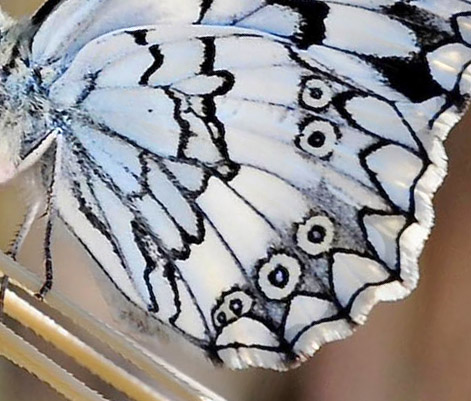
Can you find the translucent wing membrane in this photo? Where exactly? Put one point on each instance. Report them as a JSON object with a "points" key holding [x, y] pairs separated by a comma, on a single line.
{"points": [[254, 174]]}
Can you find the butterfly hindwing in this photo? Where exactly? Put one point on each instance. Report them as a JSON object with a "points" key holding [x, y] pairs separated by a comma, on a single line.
{"points": [[256, 175]]}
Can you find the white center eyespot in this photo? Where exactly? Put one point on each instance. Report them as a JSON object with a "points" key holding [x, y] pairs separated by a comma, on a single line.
{"points": [[279, 276], [315, 236], [318, 138], [232, 307], [316, 94]]}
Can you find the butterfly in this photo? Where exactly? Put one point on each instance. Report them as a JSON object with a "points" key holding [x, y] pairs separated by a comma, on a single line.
{"points": [[256, 175]]}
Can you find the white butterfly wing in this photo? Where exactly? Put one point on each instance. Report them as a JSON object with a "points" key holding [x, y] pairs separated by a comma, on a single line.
{"points": [[259, 186], [305, 23]]}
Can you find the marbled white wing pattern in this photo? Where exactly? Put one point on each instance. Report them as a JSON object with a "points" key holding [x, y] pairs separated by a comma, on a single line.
{"points": [[256, 174]]}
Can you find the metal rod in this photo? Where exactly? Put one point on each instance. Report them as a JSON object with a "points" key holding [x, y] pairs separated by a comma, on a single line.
{"points": [[179, 385], [84, 355], [24, 355]]}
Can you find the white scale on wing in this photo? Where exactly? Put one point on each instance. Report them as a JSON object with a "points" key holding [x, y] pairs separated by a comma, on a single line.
{"points": [[379, 118], [396, 169], [179, 60], [190, 319], [251, 333], [172, 199], [148, 125], [120, 62], [447, 63], [354, 70], [205, 261], [280, 202], [70, 209], [395, 39], [418, 116], [275, 84], [103, 149], [258, 52], [264, 153], [246, 233], [351, 273], [320, 313], [226, 13], [120, 219], [441, 8], [273, 18], [382, 232], [273, 121], [96, 18], [161, 222], [344, 157], [193, 178]]}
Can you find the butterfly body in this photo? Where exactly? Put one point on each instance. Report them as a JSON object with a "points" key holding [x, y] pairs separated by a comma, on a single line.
{"points": [[26, 113], [255, 176]]}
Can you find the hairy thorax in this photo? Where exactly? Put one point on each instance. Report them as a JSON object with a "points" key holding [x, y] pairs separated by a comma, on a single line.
{"points": [[27, 119]]}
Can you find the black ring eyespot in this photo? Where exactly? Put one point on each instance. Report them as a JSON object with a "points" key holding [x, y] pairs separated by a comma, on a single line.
{"points": [[316, 94], [317, 138], [279, 276], [315, 236], [231, 307]]}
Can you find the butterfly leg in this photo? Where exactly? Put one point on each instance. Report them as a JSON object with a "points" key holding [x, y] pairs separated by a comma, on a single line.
{"points": [[16, 244], [28, 220], [50, 214], [49, 273]]}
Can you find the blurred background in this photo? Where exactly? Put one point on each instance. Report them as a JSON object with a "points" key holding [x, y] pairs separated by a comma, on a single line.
{"points": [[417, 349]]}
